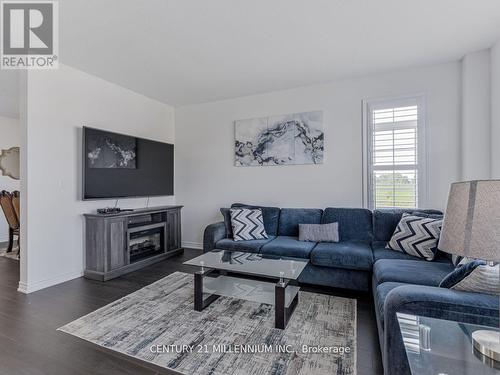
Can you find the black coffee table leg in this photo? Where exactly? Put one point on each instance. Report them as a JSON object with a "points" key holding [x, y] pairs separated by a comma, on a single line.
{"points": [[281, 312], [199, 302]]}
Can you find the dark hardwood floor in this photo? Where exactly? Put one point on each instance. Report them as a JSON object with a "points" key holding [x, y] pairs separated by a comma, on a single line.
{"points": [[30, 344]]}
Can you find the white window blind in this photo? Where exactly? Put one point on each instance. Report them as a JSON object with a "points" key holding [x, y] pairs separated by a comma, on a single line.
{"points": [[393, 154]]}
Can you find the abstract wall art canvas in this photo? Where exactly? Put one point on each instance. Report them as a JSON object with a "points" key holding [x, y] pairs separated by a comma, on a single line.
{"points": [[111, 150], [280, 140]]}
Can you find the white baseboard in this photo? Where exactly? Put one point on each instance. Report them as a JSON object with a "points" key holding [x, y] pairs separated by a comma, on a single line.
{"points": [[192, 245], [33, 287]]}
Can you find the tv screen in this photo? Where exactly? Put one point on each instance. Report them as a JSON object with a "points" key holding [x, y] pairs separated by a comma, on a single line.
{"points": [[118, 166]]}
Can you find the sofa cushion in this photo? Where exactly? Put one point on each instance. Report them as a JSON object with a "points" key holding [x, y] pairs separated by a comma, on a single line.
{"points": [[381, 293], [410, 271], [385, 221], [269, 214], [380, 252], [335, 277], [251, 246], [288, 246], [354, 223], [355, 255], [290, 218]]}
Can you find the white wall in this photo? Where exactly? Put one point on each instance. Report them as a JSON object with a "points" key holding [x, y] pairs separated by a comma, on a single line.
{"points": [[10, 137], [206, 178], [476, 115], [59, 103], [9, 93], [495, 110]]}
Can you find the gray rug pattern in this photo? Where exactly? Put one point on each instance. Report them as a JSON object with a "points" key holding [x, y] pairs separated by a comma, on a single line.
{"points": [[162, 314]]}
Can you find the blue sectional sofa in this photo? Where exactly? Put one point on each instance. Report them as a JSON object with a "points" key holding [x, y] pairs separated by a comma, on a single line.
{"points": [[399, 282]]}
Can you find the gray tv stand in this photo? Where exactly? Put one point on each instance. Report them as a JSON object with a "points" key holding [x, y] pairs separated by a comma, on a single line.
{"points": [[126, 241]]}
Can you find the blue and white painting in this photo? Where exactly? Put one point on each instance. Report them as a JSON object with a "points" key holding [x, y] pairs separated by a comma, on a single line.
{"points": [[297, 138]]}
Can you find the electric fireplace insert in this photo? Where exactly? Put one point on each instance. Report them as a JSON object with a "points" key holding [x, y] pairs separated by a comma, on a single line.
{"points": [[146, 241]]}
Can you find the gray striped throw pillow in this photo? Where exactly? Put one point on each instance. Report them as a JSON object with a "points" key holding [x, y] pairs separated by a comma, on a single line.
{"points": [[319, 232]]}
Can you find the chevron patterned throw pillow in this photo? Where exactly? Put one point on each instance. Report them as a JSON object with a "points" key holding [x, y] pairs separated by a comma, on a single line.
{"points": [[416, 236], [247, 224], [473, 276]]}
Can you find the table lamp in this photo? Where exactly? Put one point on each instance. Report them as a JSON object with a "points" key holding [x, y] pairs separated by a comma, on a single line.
{"points": [[471, 228]]}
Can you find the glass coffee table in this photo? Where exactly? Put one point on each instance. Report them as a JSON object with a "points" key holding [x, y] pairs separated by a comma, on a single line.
{"points": [[218, 263], [444, 347]]}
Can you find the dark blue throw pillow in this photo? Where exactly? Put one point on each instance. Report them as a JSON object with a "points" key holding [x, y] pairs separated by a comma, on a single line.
{"points": [[226, 213], [474, 276], [424, 214]]}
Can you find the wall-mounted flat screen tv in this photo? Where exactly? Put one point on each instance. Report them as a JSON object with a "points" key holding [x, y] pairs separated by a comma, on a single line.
{"points": [[118, 166]]}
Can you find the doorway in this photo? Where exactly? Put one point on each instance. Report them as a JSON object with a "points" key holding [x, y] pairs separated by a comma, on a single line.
{"points": [[10, 177]]}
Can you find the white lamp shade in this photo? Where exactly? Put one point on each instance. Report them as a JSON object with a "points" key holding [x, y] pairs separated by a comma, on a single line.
{"points": [[471, 225]]}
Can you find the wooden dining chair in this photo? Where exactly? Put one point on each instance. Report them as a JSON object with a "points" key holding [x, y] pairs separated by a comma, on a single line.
{"points": [[16, 202], [10, 216]]}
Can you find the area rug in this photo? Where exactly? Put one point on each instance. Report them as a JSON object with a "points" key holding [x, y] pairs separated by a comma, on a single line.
{"points": [[157, 324]]}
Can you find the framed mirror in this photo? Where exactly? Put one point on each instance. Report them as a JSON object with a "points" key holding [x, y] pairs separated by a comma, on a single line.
{"points": [[9, 162]]}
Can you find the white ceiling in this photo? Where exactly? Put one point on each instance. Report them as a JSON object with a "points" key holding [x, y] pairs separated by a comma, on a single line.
{"points": [[190, 51]]}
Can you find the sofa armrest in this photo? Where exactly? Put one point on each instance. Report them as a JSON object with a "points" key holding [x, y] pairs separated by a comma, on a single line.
{"points": [[434, 302], [213, 233]]}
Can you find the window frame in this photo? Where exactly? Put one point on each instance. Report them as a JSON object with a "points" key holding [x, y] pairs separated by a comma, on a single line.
{"points": [[422, 144]]}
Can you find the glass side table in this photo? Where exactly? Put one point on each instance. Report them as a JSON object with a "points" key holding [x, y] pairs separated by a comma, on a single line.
{"points": [[442, 347]]}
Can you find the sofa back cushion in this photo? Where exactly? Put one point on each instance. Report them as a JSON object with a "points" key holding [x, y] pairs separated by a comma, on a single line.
{"points": [[270, 215], [290, 218], [386, 220], [354, 223]]}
